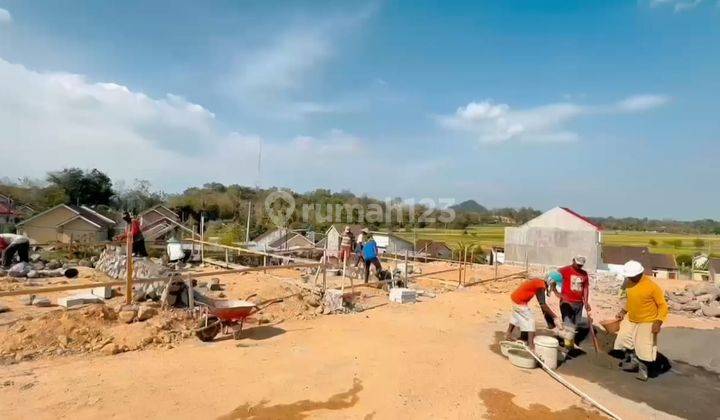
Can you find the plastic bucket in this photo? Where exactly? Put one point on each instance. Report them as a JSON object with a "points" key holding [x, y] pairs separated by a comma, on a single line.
{"points": [[546, 348]]}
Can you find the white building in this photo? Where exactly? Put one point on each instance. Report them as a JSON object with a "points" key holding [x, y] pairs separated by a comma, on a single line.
{"points": [[553, 239]]}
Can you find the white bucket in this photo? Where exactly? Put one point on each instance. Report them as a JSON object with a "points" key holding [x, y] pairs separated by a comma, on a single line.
{"points": [[546, 348]]}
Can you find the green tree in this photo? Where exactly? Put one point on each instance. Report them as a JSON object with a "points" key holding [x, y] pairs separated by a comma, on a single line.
{"points": [[92, 187], [698, 243], [684, 260], [653, 242]]}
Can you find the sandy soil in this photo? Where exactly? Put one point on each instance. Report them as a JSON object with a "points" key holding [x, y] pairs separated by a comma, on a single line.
{"points": [[430, 359]]}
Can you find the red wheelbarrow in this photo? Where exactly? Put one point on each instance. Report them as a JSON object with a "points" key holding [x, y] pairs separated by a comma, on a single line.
{"points": [[225, 315]]}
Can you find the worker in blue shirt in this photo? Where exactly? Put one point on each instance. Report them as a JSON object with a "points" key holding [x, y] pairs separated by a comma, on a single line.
{"points": [[370, 255]]}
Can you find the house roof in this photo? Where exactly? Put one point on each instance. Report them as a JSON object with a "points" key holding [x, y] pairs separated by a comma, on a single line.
{"points": [[6, 211], [619, 255], [340, 227], [280, 242], [157, 208], [663, 261], [86, 213], [429, 246], [714, 264], [268, 233], [583, 218], [63, 223]]}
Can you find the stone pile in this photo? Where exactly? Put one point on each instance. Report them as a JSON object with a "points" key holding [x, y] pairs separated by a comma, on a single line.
{"points": [[34, 270], [700, 299], [113, 262]]}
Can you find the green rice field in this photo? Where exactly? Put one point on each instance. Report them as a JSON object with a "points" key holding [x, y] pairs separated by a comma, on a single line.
{"points": [[665, 243]]}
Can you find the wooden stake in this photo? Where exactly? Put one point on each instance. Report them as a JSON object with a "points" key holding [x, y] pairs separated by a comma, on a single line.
{"points": [[324, 269], [129, 267]]}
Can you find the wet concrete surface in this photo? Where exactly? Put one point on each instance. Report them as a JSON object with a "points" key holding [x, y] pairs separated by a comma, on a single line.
{"points": [[684, 390]]}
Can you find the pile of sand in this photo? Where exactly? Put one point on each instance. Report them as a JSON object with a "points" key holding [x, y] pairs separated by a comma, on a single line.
{"points": [[92, 329]]}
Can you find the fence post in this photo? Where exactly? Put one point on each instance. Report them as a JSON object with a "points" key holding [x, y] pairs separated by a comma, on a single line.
{"points": [[129, 266], [324, 266]]}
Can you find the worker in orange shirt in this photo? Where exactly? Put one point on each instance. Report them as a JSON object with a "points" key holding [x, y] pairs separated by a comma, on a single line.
{"points": [[522, 316], [641, 321]]}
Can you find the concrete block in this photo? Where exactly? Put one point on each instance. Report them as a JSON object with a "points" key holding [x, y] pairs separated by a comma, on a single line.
{"points": [[78, 299], [105, 292], [402, 295]]}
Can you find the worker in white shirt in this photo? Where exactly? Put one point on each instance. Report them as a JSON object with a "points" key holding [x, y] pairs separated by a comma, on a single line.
{"points": [[12, 244]]}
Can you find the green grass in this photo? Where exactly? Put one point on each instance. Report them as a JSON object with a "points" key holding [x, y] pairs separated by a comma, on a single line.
{"points": [[487, 236]]}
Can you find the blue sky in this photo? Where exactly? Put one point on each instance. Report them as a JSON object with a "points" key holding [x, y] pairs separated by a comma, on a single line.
{"points": [[608, 107]]}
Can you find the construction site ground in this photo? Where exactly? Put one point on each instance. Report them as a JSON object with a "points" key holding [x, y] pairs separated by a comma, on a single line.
{"points": [[436, 358]]}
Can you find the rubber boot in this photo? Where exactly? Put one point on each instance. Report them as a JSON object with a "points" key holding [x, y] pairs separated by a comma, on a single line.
{"points": [[642, 373], [632, 365], [626, 359]]}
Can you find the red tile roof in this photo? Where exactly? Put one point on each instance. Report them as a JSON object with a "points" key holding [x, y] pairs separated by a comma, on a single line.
{"points": [[583, 218]]}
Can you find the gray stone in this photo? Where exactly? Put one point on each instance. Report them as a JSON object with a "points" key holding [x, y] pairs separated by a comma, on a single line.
{"points": [[53, 265], [20, 269], [34, 257], [705, 298], [703, 288], [681, 299], [33, 274], [42, 302], [38, 265], [691, 306], [713, 309]]}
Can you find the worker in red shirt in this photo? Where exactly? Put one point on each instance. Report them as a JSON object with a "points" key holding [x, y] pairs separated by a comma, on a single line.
{"points": [[522, 316], [574, 295], [138, 244]]}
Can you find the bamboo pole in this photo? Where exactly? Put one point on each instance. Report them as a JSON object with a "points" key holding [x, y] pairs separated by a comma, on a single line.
{"points": [[67, 287], [324, 270], [129, 267]]}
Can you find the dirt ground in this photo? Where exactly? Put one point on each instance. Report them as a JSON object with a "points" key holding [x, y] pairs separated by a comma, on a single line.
{"points": [[429, 359]]}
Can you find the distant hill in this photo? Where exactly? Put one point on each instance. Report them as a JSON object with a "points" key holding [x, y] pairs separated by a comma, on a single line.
{"points": [[470, 206]]}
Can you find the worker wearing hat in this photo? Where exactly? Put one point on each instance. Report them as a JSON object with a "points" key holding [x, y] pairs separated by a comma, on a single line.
{"points": [[646, 311], [574, 295], [346, 244], [521, 316]]}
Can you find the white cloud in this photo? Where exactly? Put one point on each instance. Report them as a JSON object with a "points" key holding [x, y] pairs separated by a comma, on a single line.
{"points": [[278, 75], [677, 5], [55, 120], [497, 123], [5, 16], [642, 102]]}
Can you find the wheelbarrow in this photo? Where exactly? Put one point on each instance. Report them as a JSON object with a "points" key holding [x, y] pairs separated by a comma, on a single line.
{"points": [[226, 315]]}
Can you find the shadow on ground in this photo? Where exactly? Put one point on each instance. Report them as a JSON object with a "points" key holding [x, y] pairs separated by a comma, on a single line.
{"points": [[299, 409]]}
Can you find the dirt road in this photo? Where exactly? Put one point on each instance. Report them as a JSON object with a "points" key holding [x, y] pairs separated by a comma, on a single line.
{"points": [[430, 359]]}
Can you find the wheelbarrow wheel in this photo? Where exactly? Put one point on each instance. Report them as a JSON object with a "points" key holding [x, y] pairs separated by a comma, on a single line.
{"points": [[207, 331]]}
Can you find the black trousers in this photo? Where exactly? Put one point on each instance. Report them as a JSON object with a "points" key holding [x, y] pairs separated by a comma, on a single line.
{"points": [[372, 261], [138, 247], [22, 250]]}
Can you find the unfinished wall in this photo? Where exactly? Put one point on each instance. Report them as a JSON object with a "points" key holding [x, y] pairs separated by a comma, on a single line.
{"points": [[551, 247]]}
